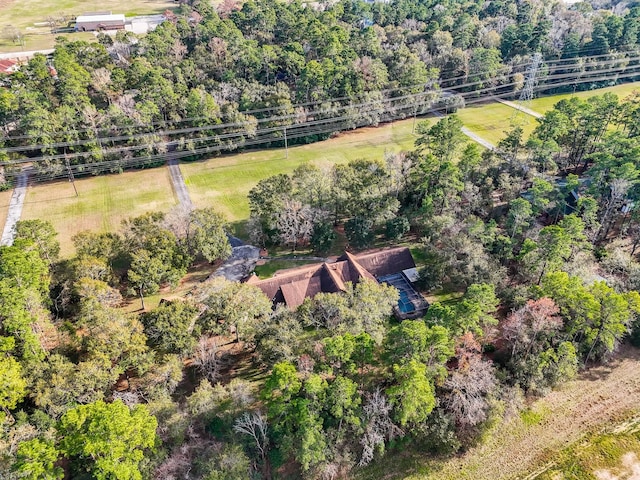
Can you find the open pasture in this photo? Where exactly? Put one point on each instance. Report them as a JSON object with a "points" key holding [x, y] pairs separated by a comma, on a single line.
{"points": [[103, 202], [492, 121], [223, 182]]}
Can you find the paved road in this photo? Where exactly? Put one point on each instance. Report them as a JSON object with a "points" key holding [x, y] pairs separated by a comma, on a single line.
{"points": [[15, 209], [523, 109], [240, 264], [177, 180], [476, 138], [29, 54]]}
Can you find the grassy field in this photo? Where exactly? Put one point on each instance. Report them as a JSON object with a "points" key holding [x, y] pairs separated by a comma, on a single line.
{"points": [[5, 198], [223, 182], [27, 15], [545, 104], [604, 456], [492, 121], [102, 202]]}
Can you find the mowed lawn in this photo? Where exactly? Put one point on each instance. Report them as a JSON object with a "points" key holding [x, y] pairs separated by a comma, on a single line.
{"points": [[102, 204], [5, 198], [492, 121], [544, 104], [224, 182]]}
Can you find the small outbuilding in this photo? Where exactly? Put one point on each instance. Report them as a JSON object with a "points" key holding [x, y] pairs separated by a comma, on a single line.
{"points": [[103, 21]]}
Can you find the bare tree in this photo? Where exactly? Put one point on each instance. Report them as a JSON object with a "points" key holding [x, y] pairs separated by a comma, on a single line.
{"points": [[379, 426], [525, 326], [468, 388], [130, 399], [207, 358], [296, 221], [254, 425], [618, 191], [13, 34], [240, 392]]}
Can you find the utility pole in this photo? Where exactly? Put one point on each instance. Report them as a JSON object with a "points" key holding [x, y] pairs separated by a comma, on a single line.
{"points": [[415, 112], [71, 177], [526, 95], [286, 144]]}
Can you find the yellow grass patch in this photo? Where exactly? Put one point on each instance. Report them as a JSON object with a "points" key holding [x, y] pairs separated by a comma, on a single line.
{"points": [[102, 204]]}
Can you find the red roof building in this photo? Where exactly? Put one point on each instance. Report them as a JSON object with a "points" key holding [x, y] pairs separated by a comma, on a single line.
{"points": [[9, 66], [291, 287]]}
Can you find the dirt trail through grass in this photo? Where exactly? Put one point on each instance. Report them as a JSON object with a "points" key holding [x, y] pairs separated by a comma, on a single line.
{"points": [[602, 396]]}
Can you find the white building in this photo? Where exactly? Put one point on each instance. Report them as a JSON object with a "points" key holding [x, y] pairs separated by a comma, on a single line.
{"points": [[93, 22]]}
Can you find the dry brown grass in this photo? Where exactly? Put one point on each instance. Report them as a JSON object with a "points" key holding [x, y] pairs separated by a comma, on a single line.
{"points": [[5, 198], [599, 397], [102, 204]]}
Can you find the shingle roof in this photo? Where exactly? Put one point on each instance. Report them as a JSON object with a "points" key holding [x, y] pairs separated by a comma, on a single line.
{"points": [[293, 286]]}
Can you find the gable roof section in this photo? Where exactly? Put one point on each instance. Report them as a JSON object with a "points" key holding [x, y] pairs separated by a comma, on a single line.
{"points": [[271, 286], [358, 272], [386, 262], [293, 286]]}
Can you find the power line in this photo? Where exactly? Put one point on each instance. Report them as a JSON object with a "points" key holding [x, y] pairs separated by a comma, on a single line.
{"points": [[264, 136], [280, 118], [321, 101], [137, 161]]}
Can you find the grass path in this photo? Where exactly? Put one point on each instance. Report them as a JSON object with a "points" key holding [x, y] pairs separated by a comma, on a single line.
{"points": [[600, 397]]}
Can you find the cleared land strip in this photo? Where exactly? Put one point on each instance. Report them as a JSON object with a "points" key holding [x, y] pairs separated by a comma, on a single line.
{"points": [[475, 137], [523, 109], [179, 185], [15, 209], [600, 397]]}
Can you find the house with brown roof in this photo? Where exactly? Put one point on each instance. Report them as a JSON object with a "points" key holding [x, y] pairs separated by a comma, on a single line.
{"points": [[392, 266]]}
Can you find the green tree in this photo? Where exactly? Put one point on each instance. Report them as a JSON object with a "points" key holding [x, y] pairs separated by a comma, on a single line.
{"points": [[519, 215], [323, 237], [413, 340], [412, 395], [240, 305], [359, 232], [206, 235], [443, 139], [43, 236], [14, 386], [147, 273], [475, 309], [281, 388], [171, 328], [343, 400], [108, 439], [36, 460]]}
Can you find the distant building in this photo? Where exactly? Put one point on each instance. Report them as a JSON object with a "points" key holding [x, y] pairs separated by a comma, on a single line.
{"points": [[101, 21], [9, 66], [394, 267]]}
